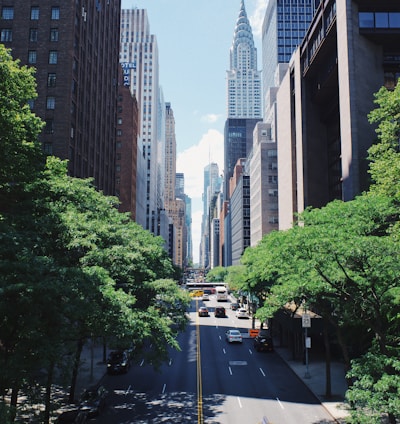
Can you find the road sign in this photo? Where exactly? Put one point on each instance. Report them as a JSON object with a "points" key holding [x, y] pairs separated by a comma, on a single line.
{"points": [[306, 321]]}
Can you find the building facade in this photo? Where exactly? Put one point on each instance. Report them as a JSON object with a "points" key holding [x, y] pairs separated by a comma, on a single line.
{"points": [[74, 48], [284, 26], [239, 212], [243, 77], [262, 167], [139, 50], [326, 139], [126, 168]]}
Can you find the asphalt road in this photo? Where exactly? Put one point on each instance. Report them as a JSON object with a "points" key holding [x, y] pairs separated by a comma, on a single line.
{"points": [[211, 381]]}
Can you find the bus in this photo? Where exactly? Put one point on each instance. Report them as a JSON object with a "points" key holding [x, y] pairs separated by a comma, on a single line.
{"points": [[205, 287], [222, 293]]}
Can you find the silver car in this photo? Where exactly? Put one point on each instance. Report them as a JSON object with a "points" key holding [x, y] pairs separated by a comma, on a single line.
{"points": [[233, 336]]}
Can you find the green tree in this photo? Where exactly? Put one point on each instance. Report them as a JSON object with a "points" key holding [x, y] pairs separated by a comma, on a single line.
{"points": [[20, 152], [385, 154], [217, 274]]}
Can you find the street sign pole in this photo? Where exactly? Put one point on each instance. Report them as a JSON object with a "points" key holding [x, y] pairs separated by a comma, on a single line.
{"points": [[306, 321]]}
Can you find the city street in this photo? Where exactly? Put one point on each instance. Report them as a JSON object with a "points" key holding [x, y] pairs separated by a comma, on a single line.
{"points": [[212, 381]]}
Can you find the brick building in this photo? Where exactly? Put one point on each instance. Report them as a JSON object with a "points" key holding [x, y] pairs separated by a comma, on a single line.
{"points": [[74, 46]]}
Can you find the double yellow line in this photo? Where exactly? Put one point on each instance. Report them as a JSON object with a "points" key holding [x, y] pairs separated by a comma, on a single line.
{"points": [[200, 418]]}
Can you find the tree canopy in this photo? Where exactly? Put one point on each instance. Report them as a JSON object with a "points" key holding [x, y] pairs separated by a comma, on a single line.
{"points": [[71, 266]]}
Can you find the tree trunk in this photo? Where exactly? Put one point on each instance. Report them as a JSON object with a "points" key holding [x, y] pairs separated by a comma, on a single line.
{"points": [[345, 353], [47, 401], [13, 403], [328, 384], [75, 370]]}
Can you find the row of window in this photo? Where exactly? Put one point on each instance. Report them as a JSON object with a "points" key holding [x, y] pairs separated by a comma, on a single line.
{"points": [[6, 35], [7, 13], [379, 19], [52, 59]]}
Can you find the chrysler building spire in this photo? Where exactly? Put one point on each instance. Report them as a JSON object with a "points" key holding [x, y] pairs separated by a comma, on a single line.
{"points": [[244, 80]]}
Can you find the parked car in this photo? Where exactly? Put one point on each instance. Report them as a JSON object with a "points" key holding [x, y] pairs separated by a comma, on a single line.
{"points": [[220, 312], [206, 296], [233, 336], [263, 342], [234, 306], [242, 313], [93, 400], [118, 362], [203, 311]]}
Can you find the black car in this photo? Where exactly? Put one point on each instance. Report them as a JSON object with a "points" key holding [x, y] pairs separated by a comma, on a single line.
{"points": [[263, 342], [234, 306], [118, 362], [93, 401], [220, 312]]}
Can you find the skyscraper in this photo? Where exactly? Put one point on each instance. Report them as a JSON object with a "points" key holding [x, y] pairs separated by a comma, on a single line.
{"points": [[284, 26], [74, 48], [243, 78], [212, 184], [139, 53], [244, 103]]}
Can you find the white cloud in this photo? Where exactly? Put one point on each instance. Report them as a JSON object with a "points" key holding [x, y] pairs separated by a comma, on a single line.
{"points": [[192, 162], [211, 118], [257, 17]]}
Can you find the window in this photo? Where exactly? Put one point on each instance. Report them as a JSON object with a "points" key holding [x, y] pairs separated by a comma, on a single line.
{"points": [[48, 128], [32, 56], [34, 13], [51, 103], [51, 80], [7, 13], [394, 20], [6, 35], [48, 148], [53, 34], [382, 20], [33, 35], [53, 57], [55, 13]]}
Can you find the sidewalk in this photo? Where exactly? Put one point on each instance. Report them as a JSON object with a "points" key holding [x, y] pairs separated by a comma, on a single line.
{"points": [[315, 381], [92, 368]]}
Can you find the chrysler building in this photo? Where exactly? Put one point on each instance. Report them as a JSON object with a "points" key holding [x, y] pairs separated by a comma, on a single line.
{"points": [[243, 78]]}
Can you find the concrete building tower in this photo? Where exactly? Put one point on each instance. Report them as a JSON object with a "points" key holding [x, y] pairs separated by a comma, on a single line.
{"points": [[350, 51], [74, 48], [139, 51], [243, 78], [244, 103]]}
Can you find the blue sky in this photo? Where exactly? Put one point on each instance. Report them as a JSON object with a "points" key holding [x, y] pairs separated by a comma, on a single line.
{"points": [[194, 38]]}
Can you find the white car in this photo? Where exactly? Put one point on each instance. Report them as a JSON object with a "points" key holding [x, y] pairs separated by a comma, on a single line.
{"points": [[233, 336], [242, 313]]}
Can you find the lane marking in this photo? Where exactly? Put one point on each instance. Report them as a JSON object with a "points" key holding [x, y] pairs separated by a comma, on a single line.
{"points": [[250, 351], [127, 390], [240, 403], [170, 362], [141, 364], [280, 404], [262, 372], [223, 350], [230, 370], [163, 389], [200, 418]]}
